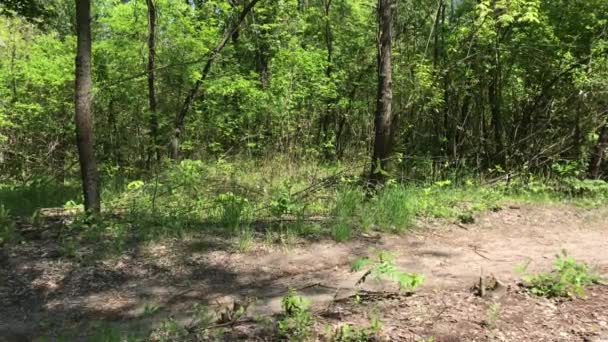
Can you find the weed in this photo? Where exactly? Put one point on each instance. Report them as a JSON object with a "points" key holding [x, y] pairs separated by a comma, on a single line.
{"points": [[493, 315], [150, 309], [394, 209], [234, 210], [348, 201], [169, 330], [8, 227], [567, 279], [341, 231], [203, 316], [427, 339], [296, 325], [68, 247], [350, 333], [283, 202], [35, 219], [245, 239], [383, 267], [105, 333], [466, 218], [268, 238]]}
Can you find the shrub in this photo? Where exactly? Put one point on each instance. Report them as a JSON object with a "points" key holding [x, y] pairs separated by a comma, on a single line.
{"points": [[567, 279], [297, 323]]}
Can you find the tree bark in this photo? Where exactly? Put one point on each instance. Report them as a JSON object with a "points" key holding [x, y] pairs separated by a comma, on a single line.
{"points": [[328, 116], [181, 115], [597, 157], [155, 149], [83, 104], [495, 99], [384, 116]]}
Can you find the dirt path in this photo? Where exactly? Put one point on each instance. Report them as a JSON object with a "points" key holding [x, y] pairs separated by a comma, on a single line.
{"points": [[41, 293]]}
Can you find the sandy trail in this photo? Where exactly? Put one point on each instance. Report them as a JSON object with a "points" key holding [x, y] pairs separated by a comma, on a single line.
{"points": [[40, 293]]}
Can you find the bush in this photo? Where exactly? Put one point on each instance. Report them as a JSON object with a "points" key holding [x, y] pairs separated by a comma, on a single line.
{"points": [[567, 279]]}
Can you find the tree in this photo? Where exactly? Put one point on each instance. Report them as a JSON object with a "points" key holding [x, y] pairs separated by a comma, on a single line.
{"points": [[181, 115], [597, 156], [384, 115], [83, 104], [155, 149]]}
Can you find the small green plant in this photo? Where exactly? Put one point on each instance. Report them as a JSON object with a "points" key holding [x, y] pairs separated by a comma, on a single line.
{"points": [[35, 219], [68, 248], [383, 267], [427, 339], [234, 210], [567, 279], [341, 231], [393, 210], [296, 325], [150, 309], [8, 227], [169, 330], [283, 202], [104, 332], [245, 239], [202, 316], [493, 315], [350, 333]]}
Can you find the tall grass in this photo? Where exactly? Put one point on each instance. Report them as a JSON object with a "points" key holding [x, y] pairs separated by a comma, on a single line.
{"points": [[248, 199]]}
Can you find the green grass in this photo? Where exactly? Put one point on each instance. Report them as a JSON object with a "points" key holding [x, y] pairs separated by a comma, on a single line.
{"points": [[274, 200], [24, 200]]}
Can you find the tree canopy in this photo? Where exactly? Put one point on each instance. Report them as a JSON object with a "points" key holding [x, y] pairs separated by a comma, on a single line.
{"points": [[490, 85]]}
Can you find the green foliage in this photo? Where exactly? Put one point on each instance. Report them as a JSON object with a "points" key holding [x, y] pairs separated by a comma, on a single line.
{"points": [[297, 323], [486, 91], [341, 232], [150, 309], [393, 209], [25, 200], [8, 227], [567, 279], [169, 330], [396, 207], [383, 267], [203, 316], [234, 210], [245, 239], [350, 333]]}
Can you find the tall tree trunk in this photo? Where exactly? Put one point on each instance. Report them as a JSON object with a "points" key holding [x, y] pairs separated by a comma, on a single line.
{"points": [[263, 51], [597, 157], [83, 103], [384, 116], [155, 149], [495, 99], [181, 115], [326, 118]]}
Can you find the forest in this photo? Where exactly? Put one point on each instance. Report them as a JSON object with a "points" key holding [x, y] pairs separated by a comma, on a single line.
{"points": [[303, 170]]}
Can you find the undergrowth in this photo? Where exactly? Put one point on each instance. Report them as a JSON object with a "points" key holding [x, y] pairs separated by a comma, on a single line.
{"points": [[278, 201], [568, 278], [297, 322]]}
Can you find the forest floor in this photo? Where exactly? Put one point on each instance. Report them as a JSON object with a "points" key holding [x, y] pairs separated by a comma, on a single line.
{"points": [[45, 294]]}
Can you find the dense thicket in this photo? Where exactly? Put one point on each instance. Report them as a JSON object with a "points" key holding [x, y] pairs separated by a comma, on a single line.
{"points": [[501, 85]]}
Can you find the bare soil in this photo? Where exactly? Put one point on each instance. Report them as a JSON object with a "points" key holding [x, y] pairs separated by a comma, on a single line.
{"points": [[43, 293]]}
